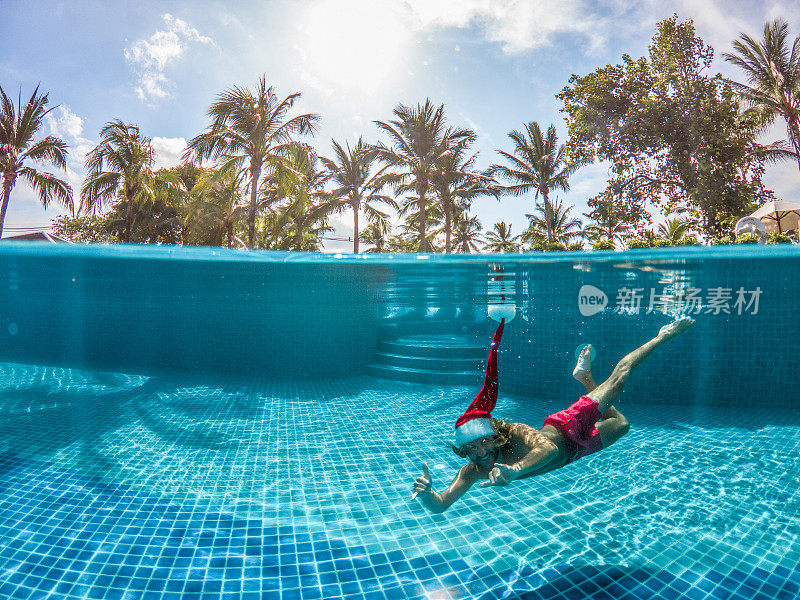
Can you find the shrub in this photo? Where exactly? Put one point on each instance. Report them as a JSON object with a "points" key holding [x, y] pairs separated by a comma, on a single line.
{"points": [[747, 238], [575, 247], [603, 245], [778, 238], [661, 242], [637, 242], [687, 240], [553, 246], [723, 240]]}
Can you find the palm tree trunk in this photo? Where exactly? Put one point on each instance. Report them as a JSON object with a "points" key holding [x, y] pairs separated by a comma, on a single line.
{"points": [[355, 227], [8, 183], [446, 207], [794, 136], [128, 219], [423, 241], [229, 232], [255, 175]]}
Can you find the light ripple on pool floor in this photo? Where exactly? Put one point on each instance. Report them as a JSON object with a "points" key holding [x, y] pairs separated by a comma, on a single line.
{"points": [[696, 487]]}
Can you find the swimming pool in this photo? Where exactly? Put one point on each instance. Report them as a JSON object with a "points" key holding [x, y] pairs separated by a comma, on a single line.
{"points": [[193, 423]]}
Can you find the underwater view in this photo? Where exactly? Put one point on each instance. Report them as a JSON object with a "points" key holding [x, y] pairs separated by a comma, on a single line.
{"points": [[185, 423]]}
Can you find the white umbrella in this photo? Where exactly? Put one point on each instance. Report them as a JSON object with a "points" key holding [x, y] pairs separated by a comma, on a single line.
{"points": [[779, 215]]}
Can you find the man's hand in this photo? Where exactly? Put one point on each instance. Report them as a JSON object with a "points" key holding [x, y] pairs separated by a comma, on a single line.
{"points": [[500, 475], [423, 484]]}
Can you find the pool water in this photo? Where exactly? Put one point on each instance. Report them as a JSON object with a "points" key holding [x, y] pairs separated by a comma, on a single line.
{"points": [[202, 424], [115, 485]]}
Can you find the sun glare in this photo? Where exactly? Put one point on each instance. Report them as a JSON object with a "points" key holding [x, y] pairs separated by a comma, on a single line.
{"points": [[355, 46]]}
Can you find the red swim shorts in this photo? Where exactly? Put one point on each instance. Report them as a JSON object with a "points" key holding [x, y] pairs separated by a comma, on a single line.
{"points": [[576, 424]]}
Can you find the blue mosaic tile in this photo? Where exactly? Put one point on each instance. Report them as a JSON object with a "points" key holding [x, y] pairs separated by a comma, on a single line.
{"points": [[157, 506]]}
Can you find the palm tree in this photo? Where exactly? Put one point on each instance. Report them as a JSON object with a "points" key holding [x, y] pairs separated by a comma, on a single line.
{"points": [[499, 239], [456, 180], [467, 233], [298, 206], [377, 234], [120, 166], [402, 242], [772, 70], [674, 229], [357, 186], [250, 130], [216, 207], [419, 142], [411, 224], [537, 164], [18, 126], [553, 222], [608, 227]]}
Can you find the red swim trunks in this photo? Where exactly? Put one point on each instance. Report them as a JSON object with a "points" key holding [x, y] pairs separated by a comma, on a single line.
{"points": [[576, 424]]}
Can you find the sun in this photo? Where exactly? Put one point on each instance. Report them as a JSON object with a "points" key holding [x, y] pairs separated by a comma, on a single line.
{"points": [[355, 46]]}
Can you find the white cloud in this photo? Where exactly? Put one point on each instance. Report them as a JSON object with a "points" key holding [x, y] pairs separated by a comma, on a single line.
{"points": [[518, 25], [150, 57], [64, 122], [68, 126], [168, 151], [718, 24]]}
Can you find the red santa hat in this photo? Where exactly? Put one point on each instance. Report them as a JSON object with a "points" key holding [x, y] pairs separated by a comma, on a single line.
{"points": [[474, 423]]}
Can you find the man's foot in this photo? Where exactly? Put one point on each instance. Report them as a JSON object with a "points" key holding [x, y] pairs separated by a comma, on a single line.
{"points": [[583, 368], [678, 326]]}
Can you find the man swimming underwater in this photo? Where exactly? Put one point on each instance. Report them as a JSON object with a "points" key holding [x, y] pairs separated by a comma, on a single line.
{"points": [[500, 452]]}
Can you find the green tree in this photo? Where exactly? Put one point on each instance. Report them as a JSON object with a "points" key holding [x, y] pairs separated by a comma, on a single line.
{"points": [[674, 229], [610, 223], [538, 163], [456, 182], [772, 70], [84, 229], [216, 210], [297, 205], [500, 239], [377, 234], [673, 135], [402, 242], [419, 142], [18, 128], [250, 129], [466, 232], [157, 221], [120, 168], [553, 222], [356, 185], [410, 226]]}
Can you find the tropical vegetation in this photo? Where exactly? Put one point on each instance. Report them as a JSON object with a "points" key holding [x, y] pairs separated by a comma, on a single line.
{"points": [[18, 148], [685, 149]]}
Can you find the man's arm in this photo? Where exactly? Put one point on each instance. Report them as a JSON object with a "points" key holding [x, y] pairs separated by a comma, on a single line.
{"points": [[541, 452], [439, 502]]}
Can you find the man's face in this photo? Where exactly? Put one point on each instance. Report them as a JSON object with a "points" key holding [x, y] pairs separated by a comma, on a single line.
{"points": [[482, 452]]}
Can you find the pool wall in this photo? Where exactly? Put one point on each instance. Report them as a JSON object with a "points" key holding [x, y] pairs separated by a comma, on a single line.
{"points": [[303, 315], [159, 308]]}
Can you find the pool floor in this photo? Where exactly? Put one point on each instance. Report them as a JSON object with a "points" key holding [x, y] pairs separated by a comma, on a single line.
{"points": [[129, 486]]}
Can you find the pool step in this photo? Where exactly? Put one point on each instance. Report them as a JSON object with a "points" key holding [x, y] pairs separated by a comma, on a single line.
{"points": [[392, 329], [436, 359]]}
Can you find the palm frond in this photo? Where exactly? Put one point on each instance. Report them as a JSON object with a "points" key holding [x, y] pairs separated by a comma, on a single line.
{"points": [[49, 187]]}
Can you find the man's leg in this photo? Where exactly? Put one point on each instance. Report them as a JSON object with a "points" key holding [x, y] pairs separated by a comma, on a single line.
{"points": [[614, 424], [605, 393]]}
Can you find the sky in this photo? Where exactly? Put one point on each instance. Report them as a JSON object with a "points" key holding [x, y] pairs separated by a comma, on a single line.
{"points": [[494, 64]]}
